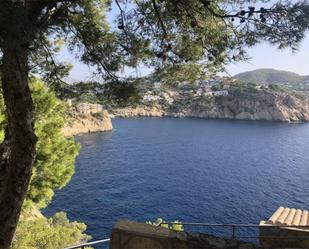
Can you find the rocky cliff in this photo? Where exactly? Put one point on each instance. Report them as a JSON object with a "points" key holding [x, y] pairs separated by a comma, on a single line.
{"points": [[238, 104], [77, 123], [139, 111], [272, 106]]}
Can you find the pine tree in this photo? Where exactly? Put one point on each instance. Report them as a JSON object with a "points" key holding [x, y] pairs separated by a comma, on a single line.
{"points": [[54, 163]]}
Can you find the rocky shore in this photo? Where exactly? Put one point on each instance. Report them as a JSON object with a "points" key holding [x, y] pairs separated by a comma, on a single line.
{"points": [[269, 106], [139, 111], [77, 123]]}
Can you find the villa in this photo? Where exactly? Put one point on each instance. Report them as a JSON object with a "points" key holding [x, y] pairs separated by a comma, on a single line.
{"points": [[87, 108]]}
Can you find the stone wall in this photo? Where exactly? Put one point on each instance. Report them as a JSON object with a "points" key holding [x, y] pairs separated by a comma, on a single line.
{"points": [[283, 237], [132, 235]]}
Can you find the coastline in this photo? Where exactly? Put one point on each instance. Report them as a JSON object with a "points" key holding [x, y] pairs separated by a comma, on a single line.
{"points": [[77, 123], [271, 107], [263, 116]]}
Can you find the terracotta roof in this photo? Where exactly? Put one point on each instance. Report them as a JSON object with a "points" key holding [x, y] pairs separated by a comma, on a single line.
{"points": [[289, 216]]}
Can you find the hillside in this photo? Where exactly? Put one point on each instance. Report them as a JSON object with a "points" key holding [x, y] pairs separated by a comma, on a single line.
{"points": [[287, 79], [247, 104]]}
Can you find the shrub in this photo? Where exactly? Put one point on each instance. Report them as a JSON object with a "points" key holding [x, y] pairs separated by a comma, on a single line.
{"points": [[53, 233], [274, 87], [178, 227]]}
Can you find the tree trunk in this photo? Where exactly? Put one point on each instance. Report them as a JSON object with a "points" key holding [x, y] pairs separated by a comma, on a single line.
{"points": [[18, 149]]}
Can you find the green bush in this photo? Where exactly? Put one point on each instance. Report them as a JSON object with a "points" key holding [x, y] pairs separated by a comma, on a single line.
{"points": [[53, 233], [54, 164], [216, 87], [98, 115], [274, 87], [178, 227]]}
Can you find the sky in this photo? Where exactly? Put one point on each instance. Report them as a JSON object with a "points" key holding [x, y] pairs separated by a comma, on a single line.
{"points": [[266, 56], [262, 55]]}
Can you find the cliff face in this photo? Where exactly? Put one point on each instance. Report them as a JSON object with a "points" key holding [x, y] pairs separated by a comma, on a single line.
{"points": [[77, 123], [140, 111], [250, 106]]}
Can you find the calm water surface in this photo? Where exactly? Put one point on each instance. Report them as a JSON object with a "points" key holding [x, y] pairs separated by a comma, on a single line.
{"points": [[193, 170]]}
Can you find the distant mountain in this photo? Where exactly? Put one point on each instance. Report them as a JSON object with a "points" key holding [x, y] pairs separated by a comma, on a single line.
{"points": [[290, 80], [271, 76]]}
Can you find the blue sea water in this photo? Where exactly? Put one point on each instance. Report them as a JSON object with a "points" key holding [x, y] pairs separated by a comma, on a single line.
{"points": [[192, 170]]}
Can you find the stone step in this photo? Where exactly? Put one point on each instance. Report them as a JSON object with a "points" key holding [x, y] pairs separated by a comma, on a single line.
{"points": [[289, 216]]}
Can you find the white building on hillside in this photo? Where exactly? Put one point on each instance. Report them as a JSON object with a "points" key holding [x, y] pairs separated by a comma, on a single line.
{"points": [[70, 102], [157, 85], [150, 97], [87, 108], [208, 94], [167, 97], [221, 93]]}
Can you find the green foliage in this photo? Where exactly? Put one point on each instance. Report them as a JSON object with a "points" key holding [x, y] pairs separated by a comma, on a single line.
{"points": [[178, 227], [270, 76], [171, 75], [53, 168], [238, 86], [274, 87], [204, 102], [215, 32], [91, 35], [151, 32], [88, 91], [54, 163], [53, 233], [44, 63], [120, 93], [2, 118], [216, 87], [123, 93], [251, 87], [88, 97], [287, 81]]}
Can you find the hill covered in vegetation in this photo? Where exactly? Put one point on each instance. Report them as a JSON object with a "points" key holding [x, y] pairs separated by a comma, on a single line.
{"points": [[289, 80]]}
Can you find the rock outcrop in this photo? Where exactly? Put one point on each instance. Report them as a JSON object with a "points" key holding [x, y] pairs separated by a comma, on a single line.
{"points": [[77, 123], [139, 111], [260, 105], [272, 106]]}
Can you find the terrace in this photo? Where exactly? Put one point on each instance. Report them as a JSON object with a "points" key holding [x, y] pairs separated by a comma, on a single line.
{"points": [[286, 228]]}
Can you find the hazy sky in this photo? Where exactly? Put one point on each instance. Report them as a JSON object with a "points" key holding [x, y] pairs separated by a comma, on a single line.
{"points": [[262, 56], [267, 56]]}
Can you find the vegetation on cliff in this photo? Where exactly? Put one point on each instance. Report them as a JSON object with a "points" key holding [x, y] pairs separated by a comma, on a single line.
{"points": [[244, 101], [217, 97], [56, 232], [177, 226]]}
